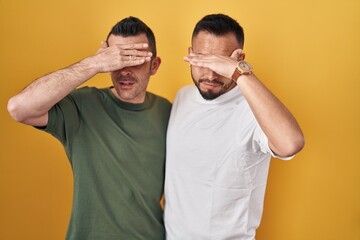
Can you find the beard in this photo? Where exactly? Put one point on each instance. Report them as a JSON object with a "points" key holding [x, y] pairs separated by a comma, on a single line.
{"points": [[211, 94]]}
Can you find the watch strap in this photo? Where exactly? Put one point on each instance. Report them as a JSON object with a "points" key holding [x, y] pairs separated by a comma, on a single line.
{"points": [[236, 75]]}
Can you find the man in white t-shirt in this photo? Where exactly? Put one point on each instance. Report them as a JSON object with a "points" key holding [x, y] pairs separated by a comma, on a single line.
{"points": [[221, 136]]}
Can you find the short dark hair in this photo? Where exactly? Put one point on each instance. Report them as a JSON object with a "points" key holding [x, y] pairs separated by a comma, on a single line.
{"points": [[132, 26], [219, 25]]}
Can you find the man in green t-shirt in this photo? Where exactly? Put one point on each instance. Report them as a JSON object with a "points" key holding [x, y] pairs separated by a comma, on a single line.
{"points": [[114, 137]]}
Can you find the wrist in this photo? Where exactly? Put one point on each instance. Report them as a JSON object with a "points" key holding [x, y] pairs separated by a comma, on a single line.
{"points": [[90, 65], [244, 79], [242, 68]]}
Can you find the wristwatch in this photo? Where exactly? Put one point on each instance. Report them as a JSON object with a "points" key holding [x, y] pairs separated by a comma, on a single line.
{"points": [[243, 68]]}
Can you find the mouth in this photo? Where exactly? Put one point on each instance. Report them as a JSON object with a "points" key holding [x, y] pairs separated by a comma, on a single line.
{"points": [[210, 84], [126, 83]]}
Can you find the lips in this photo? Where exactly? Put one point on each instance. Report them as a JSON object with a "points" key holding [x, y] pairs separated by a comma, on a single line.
{"points": [[210, 84], [126, 83]]}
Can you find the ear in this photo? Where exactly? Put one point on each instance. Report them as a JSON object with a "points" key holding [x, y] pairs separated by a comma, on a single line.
{"points": [[190, 50], [155, 64]]}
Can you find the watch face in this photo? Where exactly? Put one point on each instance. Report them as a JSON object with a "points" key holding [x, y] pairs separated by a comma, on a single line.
{"points": [[244, 66]]}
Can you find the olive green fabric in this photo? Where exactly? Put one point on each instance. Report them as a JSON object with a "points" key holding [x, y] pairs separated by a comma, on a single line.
{"points": [[117, 153]]}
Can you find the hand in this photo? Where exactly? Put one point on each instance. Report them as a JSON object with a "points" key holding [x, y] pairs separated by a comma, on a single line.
{"points": [[108, 59], [220, 64]]}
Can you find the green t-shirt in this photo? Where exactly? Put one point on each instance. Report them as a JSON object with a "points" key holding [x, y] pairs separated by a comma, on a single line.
{"points": [[117, 153]]}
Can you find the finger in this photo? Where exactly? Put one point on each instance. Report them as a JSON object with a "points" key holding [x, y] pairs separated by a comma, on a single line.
{"points": [[194, 61], [194, 57], [136, 53], [136, 59], [135, 46], [191, 59], [200, 58]]}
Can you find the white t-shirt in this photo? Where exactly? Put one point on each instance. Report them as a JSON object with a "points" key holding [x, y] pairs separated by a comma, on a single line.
{"points": [[216, 168]]}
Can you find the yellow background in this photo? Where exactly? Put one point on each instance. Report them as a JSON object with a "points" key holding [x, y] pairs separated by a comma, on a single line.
{"points": [[307, 52]]}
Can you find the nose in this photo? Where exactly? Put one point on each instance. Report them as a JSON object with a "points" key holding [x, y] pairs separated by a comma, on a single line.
{"points": [[209, 74], [125, 72]]}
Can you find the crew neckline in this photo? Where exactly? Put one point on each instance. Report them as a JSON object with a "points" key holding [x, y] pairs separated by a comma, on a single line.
{"points": [[127, 105]]}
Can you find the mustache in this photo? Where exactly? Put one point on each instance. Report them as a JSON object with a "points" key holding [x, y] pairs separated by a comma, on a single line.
{"points": [[126, 79], [210, 81]]}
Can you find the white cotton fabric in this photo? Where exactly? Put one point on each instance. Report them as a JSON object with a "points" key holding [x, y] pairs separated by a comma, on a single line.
{"points": [[216, 168]]}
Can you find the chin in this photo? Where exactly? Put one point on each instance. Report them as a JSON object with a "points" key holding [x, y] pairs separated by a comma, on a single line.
{"points": [[209, 95]]}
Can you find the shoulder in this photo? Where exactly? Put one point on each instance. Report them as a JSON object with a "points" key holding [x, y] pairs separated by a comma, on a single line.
{"points": [[158, 99], [186, 91], [186, 97], [89, 93], [84, 96], [88, 90]]}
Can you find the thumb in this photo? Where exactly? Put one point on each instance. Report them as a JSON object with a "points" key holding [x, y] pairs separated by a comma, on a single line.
{"points": [[103, 45], [236, 54]]}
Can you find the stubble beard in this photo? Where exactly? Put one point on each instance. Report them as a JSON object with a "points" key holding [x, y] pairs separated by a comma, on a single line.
{"points": [[210, 94]]}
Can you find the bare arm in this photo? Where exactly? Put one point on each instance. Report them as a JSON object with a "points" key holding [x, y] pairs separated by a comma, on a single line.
{"points": [[279, 125], [32, 104]]}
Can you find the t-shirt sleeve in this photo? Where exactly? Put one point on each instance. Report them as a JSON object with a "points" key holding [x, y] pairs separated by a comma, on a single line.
{"points": [[263, 142], [64, 118]]}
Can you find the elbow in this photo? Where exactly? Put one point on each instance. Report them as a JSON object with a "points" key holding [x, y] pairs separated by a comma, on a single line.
{"points": [[14, 110], [24, 111], [291, 146], [296, 146]]}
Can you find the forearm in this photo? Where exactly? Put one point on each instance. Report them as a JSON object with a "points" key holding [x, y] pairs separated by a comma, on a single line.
{"points": [[37, 98], [279, 125]]}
